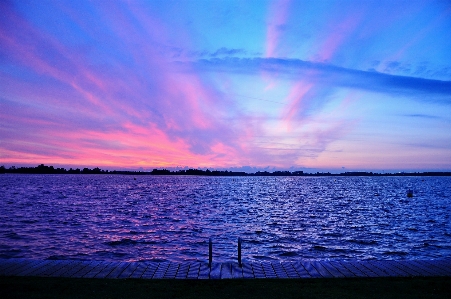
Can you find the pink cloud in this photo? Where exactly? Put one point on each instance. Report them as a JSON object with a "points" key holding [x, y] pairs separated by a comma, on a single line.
{"points": [[294, 100], [340, 31], [31, 52], [277, 18], [145, 112], [153, 115]]}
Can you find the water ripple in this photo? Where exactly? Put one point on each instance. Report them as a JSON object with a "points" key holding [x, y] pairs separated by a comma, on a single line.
{"points": [[118, 218]]}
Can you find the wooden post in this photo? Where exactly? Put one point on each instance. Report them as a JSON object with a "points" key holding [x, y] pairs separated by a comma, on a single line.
{"points": [[239, 252], [210, 252]]}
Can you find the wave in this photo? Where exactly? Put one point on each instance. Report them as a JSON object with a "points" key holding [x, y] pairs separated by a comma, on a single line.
{"points": [[319, 248], [263, 257], [288, 253], [127, 242], [395, 253], [13, 235], [362, 242]]}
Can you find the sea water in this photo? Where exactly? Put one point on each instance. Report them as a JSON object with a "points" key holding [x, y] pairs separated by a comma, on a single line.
{"points": [[171, 218]]}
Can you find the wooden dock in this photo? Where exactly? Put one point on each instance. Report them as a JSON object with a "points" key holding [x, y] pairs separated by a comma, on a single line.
{"points": [[198, 270]]}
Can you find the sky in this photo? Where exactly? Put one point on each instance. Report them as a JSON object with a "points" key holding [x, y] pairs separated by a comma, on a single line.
{"points": [[238, 85]]}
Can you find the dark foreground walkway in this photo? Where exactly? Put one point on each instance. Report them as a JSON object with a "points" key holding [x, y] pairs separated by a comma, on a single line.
{"points": [[196, 270]]}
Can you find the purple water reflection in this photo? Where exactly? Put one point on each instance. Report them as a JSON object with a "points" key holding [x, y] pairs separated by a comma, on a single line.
{"points": [[104, 217]]}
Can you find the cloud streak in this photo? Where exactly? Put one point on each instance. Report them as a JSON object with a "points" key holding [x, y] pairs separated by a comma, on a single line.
{"points": [[329, 74], [276, 22]]}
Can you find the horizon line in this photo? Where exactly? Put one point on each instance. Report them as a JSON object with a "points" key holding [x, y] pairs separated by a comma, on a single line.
{"points": [[44, 169]]}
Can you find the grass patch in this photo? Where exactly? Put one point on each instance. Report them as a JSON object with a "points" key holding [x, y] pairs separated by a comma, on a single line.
{"points": [[41, 287]]}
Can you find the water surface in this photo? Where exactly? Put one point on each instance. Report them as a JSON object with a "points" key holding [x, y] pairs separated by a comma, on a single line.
{"points": [[171, 218]]}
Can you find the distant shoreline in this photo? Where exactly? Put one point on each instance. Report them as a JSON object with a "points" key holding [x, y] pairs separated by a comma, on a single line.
{"points": [[43, 169]]}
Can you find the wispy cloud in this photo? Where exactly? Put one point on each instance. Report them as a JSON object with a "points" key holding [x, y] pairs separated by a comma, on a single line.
{"points": [[343, 28], [426, 116], [114, 107], [228, 52], [275, 25]]}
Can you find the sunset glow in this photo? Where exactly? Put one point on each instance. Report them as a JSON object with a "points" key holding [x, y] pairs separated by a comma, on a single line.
{"points": [[286, 85]]}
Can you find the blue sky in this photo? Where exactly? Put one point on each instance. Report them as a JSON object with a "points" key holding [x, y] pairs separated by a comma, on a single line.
{"points": [[297, 85]]}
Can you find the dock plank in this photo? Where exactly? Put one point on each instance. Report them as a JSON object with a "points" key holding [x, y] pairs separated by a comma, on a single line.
{"points": [[444, 265], [182, 272], [107, 270], [48, 268], [237, 271], [345, 271], [302, 272], [404, 267], [308, 266], [388, 269], [171, 272], [86, 269], [66, 266], [128, 271], [75, 268], [376, 269], [118, 270], [258, 271], [161, 270], [7, 264], [215, 271], [358, 268], [331, 269], [290, 270], [193, 271], [139, 270], [96, 270], [396, 267], [269, 270], [424, 270], [418, 269], [436, 270], [372, 268], [150, 270], [22, 269], [18, 267], [247, 271], [33, 268], [321, 269], [279, 270], [204, 271], [226, 271]]}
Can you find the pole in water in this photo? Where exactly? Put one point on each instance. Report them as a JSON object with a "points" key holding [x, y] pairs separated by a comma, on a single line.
{"points": [[210, 252], [239, 252], [410, 193]]}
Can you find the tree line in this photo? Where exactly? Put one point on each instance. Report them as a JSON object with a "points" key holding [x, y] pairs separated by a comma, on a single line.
{"points": [[44, 169]]}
